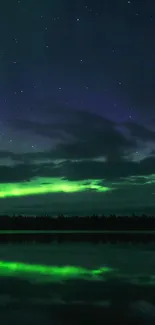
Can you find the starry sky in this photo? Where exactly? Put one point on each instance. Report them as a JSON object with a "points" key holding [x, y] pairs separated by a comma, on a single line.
{"points": [[77, 106]]}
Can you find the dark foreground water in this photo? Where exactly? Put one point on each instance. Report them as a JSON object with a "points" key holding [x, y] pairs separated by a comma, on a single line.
{"points": [[77, 284]]}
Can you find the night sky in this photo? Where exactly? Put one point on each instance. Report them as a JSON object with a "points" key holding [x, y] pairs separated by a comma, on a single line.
{"points": [[77, 106]]}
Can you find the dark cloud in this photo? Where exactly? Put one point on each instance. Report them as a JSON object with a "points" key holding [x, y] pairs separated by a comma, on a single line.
{"points": [[25, 172], [139, 131], [22, 157], [108, 170], [75, 171], [109, 143], [18, 173], [86, 135]]}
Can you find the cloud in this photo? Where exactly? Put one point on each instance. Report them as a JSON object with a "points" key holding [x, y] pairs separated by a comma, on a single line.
{"points": [[85, 137], [76, 171], [140, 131], [81, 134], [107, 170]]}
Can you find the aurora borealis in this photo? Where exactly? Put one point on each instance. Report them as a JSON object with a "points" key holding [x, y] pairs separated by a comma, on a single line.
{"points": [[54, 272], [77, 107], [53, 185]]}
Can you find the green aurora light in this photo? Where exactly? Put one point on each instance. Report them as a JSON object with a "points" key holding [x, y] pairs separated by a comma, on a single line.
{"points": [[44, 273], [46, 185], [54, 272], [50, 185]]}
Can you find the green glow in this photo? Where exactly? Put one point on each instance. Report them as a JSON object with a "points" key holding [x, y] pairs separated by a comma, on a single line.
{"points": [[53, 272], [50, 185], [43, 273], [42, 185]]}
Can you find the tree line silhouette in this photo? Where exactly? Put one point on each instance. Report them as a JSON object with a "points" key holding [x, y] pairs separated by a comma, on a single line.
{"points": [[93, 222]]}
